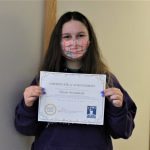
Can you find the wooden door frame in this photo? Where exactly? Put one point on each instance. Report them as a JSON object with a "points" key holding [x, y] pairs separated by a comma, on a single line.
{"points": [[49, 21]]}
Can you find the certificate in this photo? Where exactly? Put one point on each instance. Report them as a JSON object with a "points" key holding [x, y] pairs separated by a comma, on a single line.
{"points": [[72, 98]]}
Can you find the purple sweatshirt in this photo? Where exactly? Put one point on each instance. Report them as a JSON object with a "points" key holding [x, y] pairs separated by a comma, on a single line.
{"points": [[118, 123]]}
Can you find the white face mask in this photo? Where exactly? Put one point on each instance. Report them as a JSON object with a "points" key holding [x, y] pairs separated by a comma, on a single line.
{"points": [[75, 40], [75, 49]]}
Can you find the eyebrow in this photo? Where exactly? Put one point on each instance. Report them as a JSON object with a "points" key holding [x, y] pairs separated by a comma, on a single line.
{"points": [[77, 33]]}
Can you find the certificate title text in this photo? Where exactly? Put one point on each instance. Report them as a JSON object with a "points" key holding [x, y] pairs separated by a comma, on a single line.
{"points": [[68, 84]]}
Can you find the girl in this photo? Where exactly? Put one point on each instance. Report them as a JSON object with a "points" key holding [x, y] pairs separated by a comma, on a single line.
{"points": [[73, 48]]}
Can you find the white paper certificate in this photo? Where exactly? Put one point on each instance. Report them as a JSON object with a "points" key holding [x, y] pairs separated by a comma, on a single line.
{"points": [[72, 98]]}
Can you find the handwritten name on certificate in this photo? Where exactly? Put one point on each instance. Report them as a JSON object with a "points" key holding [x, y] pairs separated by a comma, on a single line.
{"points": [[72, 98]]}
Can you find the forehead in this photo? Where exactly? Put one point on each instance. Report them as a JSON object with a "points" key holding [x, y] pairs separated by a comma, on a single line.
{"points": [[74, 26]]}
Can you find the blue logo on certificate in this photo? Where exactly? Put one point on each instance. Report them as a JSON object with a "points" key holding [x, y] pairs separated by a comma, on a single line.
{"points": [[91, 111]]}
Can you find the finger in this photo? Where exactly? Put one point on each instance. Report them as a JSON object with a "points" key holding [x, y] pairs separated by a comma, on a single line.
{"points": [[39, 90], [29, 92], [33, 88], [115, 97], [112, 91], [35, 93], [31, 99], [117, 103]]}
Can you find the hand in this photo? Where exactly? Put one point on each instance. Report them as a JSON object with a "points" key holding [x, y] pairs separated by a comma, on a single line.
{"points": [[115, 96], [31, 94]]}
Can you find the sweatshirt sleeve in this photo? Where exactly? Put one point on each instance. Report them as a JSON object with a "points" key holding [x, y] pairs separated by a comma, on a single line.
{"points": [[26, 121], [120, 121]]}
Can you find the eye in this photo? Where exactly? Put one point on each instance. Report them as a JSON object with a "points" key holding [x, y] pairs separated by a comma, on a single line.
{"points": [[66, 37], [81, 35]]}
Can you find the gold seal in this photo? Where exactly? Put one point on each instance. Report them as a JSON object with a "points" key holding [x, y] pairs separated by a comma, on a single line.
{"points": [[50, 109]]}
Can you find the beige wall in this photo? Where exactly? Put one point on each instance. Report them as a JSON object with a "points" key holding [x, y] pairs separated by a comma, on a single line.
{"points": [[21, 27], [123, 31]]}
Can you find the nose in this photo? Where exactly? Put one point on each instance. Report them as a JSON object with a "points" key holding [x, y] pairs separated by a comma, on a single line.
{"points": [[74, 42]]}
